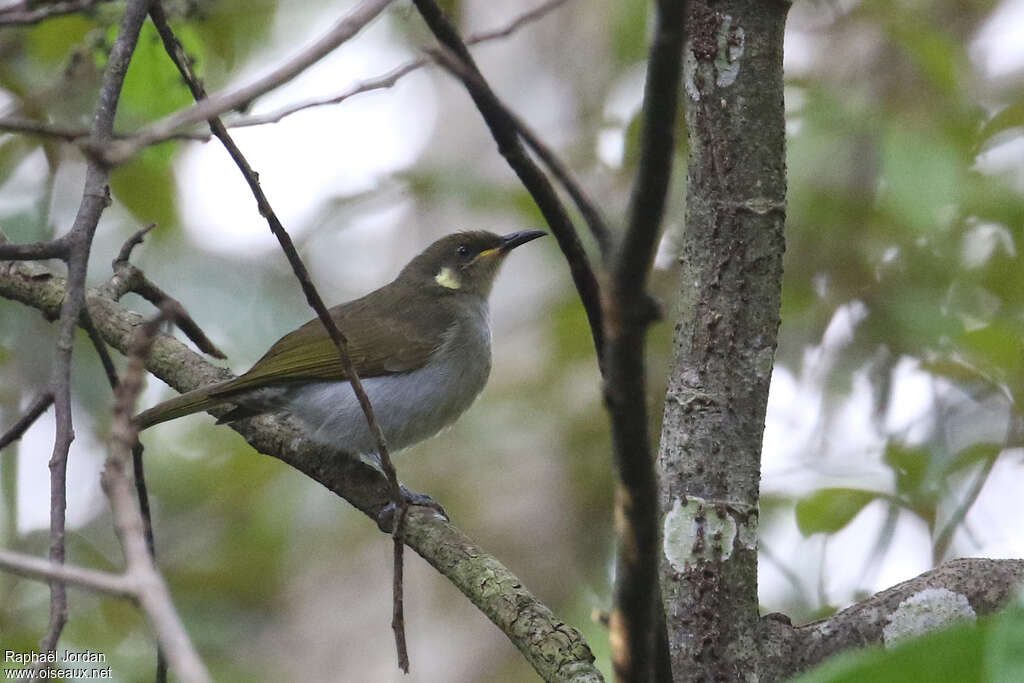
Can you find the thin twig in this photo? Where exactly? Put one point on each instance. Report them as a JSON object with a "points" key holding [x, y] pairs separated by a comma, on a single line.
{"points": [[128, 278], [39, 406], [945, 537], [397, 588], [218, 103], [125, 254], [100, 347], [141, 490], [27, 12], [587, 208], [128, 520], [506, 135], [629, 312], [34, 251], [41, 569], [95, 198], [137, 469], [177, 54], [389, 79], [55, 131]]}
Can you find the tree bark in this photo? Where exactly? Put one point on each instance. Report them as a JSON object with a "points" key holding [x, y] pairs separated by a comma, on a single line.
{"points": [[724, 346]]}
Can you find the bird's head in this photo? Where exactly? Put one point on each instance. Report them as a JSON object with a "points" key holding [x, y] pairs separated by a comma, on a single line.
{"points": [[464, 262]]}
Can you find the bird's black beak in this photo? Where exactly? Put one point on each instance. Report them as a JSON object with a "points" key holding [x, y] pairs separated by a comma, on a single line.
{"points": [[514, 239]]}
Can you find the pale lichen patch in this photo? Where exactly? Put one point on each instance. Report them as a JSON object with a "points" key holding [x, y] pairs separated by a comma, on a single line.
{"points": [[689, 69], [925, 611], [702, 530], [731, 41]]}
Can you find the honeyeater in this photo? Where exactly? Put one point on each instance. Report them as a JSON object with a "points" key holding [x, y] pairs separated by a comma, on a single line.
{"points": [[421, 345]]}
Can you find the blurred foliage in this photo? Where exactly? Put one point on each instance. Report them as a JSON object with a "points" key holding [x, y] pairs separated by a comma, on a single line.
{"points": [[904, 228], [904, 224]]}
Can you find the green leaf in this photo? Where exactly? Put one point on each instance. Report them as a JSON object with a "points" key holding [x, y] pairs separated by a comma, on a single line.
{"points": [[230, 32], [997, 345], [954, 654], [987, 652], [921, 177], [1008, 118], [1004, 654], [909, 464], [146, 186], [153, 87], [629, 32], [937, 54], [972, 455], [52, 41], [829, 510]]}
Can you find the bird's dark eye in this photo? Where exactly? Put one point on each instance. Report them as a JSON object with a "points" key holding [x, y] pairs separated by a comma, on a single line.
{"points": [[462, 250]]}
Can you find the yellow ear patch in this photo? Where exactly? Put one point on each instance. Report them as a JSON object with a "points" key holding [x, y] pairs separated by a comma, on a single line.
{"points": [[448, 278]]}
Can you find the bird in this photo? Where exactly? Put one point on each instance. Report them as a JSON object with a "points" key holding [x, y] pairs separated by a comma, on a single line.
{"points": [[420, 344]]}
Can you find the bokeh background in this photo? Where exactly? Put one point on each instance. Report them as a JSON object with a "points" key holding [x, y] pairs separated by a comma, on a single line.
{"points": [[894, 426]]}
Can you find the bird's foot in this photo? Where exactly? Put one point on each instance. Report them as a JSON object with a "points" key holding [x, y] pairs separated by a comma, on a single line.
{"points": [[386, 516]]}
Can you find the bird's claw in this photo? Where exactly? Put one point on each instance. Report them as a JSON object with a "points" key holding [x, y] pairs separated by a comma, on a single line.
{"points": [[386, 516]]}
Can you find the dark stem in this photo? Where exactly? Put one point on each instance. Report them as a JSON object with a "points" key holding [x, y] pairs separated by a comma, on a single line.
{"points": [[27, 12], [638, 640], [100, 346], [397, 588], [39, 405]]}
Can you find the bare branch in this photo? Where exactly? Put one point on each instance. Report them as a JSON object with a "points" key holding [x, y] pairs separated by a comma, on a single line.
{"points": [[27, 12], [128, 278], [506, 135], [556, 650], [13, 124], [388, 80], [41, 569], [95, 197], [219, 103], [177, 54], [129, 245], [129, 522], [39, 406], [34, 251]]}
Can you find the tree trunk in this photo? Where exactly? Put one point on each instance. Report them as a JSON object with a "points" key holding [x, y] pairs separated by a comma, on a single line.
{"points": [[725, 339]]}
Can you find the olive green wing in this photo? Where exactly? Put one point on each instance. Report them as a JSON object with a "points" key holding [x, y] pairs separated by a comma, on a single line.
{"points": [[386, 335]]}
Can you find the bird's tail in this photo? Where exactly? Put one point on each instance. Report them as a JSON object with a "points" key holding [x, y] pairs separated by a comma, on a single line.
{"points": [[179, 406]]}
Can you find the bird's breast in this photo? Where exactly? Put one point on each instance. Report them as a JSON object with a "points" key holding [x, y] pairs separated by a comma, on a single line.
{"points": [[409, 406]]}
